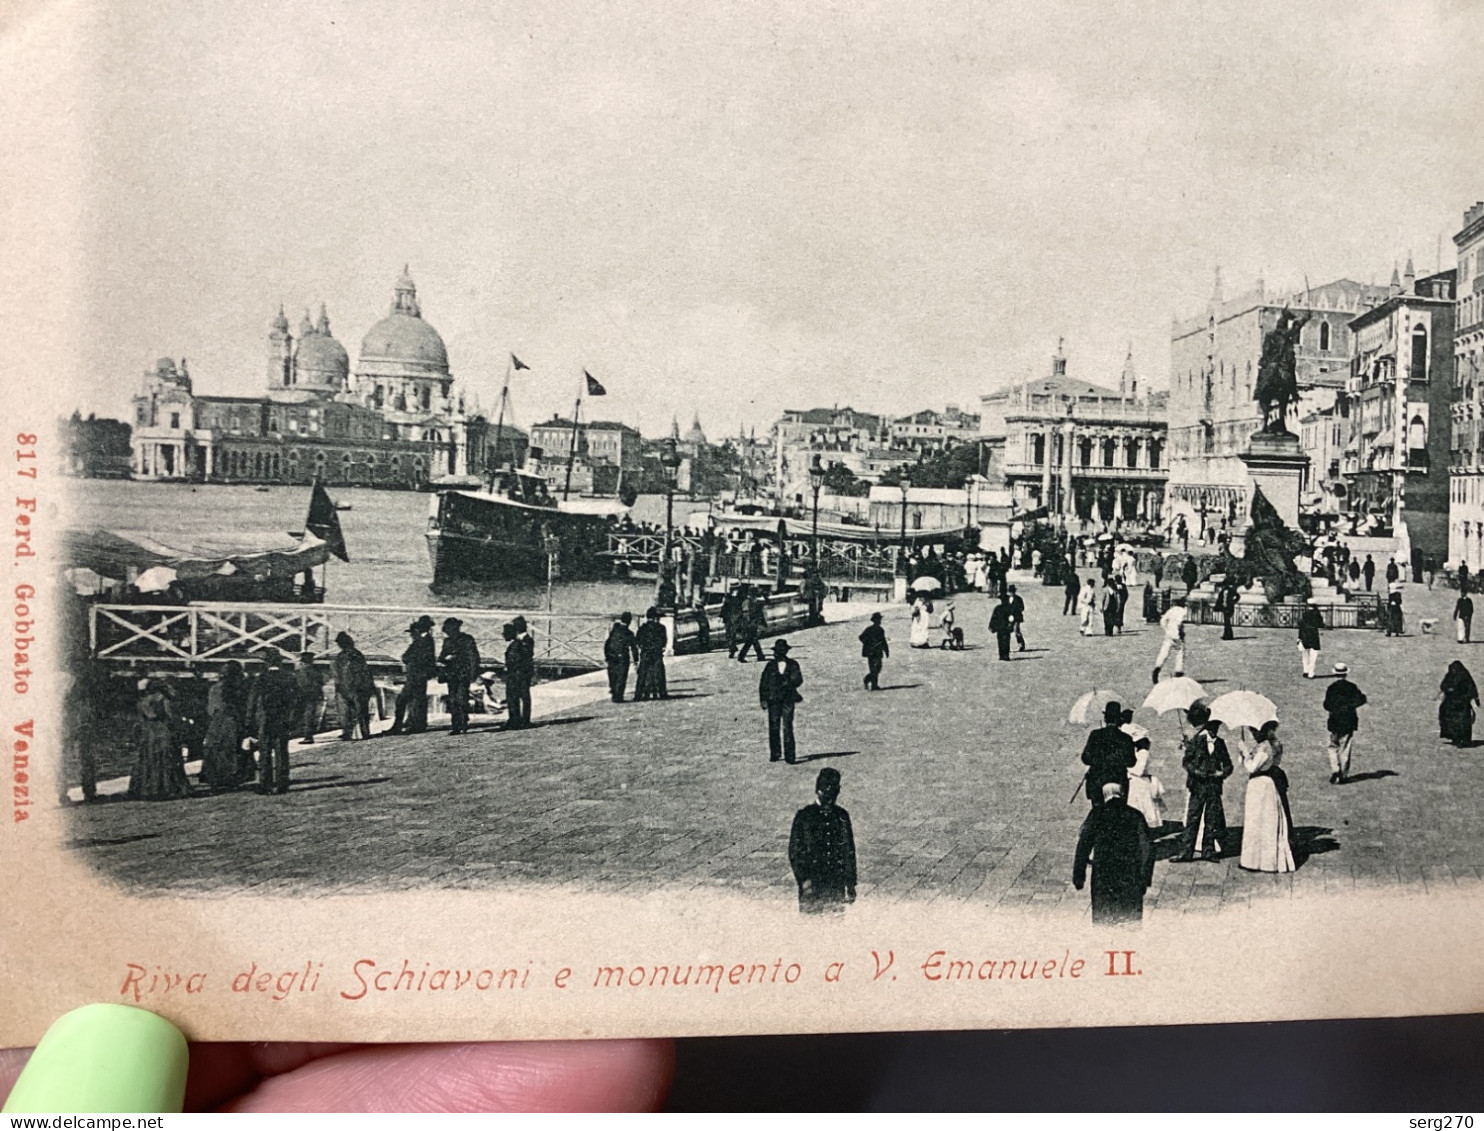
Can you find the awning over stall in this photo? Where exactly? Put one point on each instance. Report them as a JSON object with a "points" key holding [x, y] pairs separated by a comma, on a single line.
{"points": [[126, 553]]}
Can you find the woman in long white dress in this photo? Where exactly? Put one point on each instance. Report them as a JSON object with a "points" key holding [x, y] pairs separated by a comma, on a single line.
{"points": [[1145, 791], [921, 624], [1266, 832]]}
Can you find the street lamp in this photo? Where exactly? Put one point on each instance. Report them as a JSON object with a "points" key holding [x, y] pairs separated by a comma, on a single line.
{"points": [[670, 461], [906, 485], [816, 481]]}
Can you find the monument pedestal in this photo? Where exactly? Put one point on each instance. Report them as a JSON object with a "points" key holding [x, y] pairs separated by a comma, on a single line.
{"points": [[1276, 465]]}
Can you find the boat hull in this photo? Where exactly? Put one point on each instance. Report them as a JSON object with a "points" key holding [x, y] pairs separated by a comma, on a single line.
{"points": [[492, 541]]}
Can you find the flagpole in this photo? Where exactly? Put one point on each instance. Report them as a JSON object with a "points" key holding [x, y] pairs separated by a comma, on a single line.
{"points": [[572, 449], [500, 421]]}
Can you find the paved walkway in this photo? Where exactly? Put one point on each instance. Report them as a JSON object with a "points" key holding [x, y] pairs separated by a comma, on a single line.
{"points": [[957, 776]]}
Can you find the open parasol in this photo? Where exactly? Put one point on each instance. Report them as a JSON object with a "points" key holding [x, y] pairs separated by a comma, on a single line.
{"points": [[1174, 695], [926, 584], [1088, 709], [1244, 709]]}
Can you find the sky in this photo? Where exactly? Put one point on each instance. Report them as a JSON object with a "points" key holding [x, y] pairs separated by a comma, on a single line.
{"points": [[722, 209]]}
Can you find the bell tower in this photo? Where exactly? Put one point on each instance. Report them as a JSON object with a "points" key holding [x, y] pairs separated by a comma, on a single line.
{"points": [[280, 353]]}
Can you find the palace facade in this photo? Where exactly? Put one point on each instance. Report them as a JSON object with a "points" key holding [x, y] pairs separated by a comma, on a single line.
{"points": [[1080, 450], [1213, 371]]}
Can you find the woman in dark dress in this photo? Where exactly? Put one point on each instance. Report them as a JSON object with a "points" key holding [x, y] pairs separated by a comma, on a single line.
{"points": [[1456, 711], [221, 761], [159, 774], [1394, 622], [651, 640]]}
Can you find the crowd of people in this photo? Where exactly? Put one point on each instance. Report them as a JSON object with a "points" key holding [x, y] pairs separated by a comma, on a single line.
{"points": [[254, 711]]}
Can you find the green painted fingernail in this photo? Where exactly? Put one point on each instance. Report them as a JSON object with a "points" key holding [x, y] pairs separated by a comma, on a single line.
{"points": [[103, 1058]]}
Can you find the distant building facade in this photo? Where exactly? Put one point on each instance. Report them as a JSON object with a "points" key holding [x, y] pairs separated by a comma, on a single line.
{"points": [[1322, 436], [1399, 400], [1466, 476], [397, 420], [933, 431], [1081, 450], [1213, 371], [96, 447], [606, 453], [836, 435]]}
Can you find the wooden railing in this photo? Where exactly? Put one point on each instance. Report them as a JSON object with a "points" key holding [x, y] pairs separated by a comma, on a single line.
{"points": [[209, 634]]}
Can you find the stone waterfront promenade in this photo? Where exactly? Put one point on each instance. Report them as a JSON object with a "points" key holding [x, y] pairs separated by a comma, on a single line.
{"points": [[957, 776]]}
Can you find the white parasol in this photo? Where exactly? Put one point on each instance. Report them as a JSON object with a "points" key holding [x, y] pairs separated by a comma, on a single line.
{"points": [[926, 584], [1088, 709], [1174, 695], [156, 579], [1244, 709]]}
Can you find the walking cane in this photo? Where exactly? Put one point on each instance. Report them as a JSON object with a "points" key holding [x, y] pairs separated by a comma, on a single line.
{"points": [[1075, 792]]}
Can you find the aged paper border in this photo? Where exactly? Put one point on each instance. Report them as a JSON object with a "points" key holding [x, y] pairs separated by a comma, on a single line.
{"points": [[68, 937]]}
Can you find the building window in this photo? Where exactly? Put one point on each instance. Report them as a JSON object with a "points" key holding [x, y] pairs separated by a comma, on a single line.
{"points": [[1419, 354], [1324, 336], [1154, 452], [175, 420]]}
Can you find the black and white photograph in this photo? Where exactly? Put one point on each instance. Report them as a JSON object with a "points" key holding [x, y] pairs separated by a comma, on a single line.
{"points": [[944, 496]]}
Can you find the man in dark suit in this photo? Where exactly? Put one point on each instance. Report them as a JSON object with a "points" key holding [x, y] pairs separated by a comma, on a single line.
{"points": [[618, 650], [1207, 766], [1072, 587], [1115, 840], [732, 608], [875, 649], [1002, 624], [1017, 613], [458, 662], [419, 665], [821, 850], [778, 692], [1226, 605], [1342, 699], [753, 621], [1108, 754], [272, 710]]}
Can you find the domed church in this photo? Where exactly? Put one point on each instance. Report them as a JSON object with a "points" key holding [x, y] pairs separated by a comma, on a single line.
{"points": [[395, 421]]}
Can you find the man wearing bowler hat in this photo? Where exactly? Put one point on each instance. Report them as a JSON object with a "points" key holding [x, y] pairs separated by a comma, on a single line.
{"points": [[420, 664], [1108, 754], [458, 661], [875, 649], [272, 710], [778, 693]]}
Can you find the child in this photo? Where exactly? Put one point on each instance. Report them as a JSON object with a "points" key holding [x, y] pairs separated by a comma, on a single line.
{"points": [[947, 626]]}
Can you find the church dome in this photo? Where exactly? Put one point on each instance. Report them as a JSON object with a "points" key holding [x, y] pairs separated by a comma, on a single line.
{"points": [[402, 342], [321, 360]]}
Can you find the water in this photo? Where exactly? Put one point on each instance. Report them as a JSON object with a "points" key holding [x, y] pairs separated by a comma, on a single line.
{"points": [[383, 534]]}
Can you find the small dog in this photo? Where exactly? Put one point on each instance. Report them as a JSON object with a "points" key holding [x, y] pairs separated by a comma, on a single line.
{"points": [[1427, 625], [954, 641]]}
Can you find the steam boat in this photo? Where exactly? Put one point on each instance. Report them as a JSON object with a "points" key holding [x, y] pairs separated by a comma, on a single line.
{"points": [[501, 534]]}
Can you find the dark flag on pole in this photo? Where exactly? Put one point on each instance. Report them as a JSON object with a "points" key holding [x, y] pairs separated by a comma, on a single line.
{"points": [[324, 523], [593, 388], [518, 363]]}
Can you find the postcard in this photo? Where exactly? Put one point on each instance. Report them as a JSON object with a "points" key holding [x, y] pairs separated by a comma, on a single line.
{"points": [[538, 520]]}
